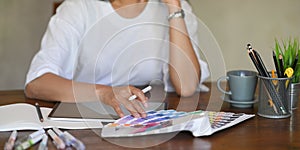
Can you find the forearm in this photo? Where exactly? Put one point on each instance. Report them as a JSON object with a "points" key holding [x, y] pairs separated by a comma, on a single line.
{"points": [[184, 67], [54, 88]]}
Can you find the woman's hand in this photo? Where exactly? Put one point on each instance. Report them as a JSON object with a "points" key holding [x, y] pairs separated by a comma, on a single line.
{"points": [[171, 1], [173, 5], [117, 96]]}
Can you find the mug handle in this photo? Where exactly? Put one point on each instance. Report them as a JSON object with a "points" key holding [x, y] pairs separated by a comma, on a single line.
{"points": [[219, 85]]}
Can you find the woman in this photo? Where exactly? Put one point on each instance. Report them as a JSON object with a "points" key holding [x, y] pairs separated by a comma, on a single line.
{"points": [[101, 49]]}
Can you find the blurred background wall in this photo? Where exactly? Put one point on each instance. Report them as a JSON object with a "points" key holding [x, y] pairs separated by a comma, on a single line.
{"points": [[226, 27]]}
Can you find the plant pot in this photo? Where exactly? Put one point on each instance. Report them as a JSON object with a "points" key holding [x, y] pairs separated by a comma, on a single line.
{"points": [[294, 94]]}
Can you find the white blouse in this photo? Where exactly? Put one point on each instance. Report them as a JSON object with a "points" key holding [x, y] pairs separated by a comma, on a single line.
{"points": [[87, 41]]}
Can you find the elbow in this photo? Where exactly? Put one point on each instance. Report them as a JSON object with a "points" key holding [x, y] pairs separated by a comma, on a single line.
{"points": [[187, 88], [29, 92], [187, 91]]}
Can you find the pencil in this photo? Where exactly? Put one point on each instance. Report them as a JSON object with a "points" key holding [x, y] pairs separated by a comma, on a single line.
{"points": [[255, 57], [261, 63], [38, 109], [255, 60], [276, 65], [281, 65], [249, 49], [295, 63], [271, 103]]}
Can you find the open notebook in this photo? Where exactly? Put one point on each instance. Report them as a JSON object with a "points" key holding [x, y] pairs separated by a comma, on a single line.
{"points": [[23, 116]]}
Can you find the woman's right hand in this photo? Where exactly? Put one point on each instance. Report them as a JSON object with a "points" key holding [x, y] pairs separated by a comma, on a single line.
{"points": [[117, 96]]}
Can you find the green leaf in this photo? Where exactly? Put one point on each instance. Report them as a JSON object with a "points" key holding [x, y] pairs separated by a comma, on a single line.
{"points": [[289, 49]]}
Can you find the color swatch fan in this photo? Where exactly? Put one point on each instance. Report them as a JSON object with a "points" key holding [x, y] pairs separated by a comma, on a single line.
{"points": [[200, 123]]}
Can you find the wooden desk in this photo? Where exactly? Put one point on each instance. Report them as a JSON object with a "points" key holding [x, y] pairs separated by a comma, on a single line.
{"points": [[256, 133]]}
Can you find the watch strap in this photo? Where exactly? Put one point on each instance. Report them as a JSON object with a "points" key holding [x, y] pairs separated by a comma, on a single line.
{"points": [[177, 14]]}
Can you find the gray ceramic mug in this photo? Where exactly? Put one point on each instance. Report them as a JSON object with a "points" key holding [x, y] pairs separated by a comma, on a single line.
{"points": [[242, 85]]}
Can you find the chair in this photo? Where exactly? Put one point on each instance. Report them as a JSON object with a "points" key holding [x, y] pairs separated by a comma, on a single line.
{"points": [[55, 5]]}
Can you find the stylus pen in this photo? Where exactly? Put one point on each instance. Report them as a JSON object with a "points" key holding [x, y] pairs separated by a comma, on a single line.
{"points": [[146, 89]]}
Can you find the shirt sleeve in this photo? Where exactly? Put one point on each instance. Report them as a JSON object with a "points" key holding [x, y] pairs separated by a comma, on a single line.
{"points": [[59, 43], [192, 27]]}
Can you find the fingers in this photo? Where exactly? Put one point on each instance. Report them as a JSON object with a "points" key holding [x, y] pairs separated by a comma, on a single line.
{"points": [[133, 107], [120, 96], [119, 111], [136, 110], [139, 95]]}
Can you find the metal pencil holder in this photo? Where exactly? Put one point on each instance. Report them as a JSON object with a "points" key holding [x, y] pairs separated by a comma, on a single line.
{"points": [[274, 97]]}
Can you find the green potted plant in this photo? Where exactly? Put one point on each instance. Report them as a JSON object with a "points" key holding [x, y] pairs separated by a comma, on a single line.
{"points": [[290, 52]]}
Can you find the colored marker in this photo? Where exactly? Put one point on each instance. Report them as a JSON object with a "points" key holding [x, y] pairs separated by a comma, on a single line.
{"points": [[56, 140], [36, 133], [29, 142], [30, 136], [62, 136], [43, 144], [77, 144], [11, 141]]}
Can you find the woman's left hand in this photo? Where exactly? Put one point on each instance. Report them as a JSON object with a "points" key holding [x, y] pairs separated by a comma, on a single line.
{"points": [[172, 4]]}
